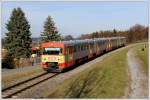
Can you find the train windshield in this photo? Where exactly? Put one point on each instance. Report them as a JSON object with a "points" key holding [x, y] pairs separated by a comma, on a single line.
{"points": [[52, 51]]}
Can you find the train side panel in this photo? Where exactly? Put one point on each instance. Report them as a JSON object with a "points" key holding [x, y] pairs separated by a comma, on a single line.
{"points": [[76, 51]]}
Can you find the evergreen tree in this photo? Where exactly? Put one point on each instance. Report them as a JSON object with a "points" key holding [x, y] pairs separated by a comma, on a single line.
{"points": [[50, 31], [18, 39], [114, 32]]}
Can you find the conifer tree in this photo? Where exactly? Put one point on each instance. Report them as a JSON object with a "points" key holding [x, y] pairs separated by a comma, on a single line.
{"points": [[114, 32], [50, 31], [18, 40]]}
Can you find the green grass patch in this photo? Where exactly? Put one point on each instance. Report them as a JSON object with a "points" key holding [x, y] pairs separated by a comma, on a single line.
{"points": [[107, 79], [141, 51]]}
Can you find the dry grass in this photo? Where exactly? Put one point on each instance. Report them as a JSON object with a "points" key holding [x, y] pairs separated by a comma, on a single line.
{"points": [[142, 55], [18, 76]]}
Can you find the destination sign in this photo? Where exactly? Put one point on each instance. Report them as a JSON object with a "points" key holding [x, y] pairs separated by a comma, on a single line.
{"points": [[52, 49]]}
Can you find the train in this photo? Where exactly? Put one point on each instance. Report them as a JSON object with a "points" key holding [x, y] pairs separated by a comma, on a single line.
{"points": [[57, 56], [36, 50]]}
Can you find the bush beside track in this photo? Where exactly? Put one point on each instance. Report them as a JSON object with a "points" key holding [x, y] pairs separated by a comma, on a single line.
{"points": [[107, 79]]}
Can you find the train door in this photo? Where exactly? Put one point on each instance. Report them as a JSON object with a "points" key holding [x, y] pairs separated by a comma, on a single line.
{"points": [[90, 50], [70, 56], [98, 46], [109, 44]]}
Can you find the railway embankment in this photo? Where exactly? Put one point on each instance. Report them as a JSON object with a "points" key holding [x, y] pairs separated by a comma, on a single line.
{"points": [[110, 78]]}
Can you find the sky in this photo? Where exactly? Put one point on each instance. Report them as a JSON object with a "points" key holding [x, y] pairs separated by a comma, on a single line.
{"points": [[76, 18]]}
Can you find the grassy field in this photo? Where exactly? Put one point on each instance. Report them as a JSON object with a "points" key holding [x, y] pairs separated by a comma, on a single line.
{"points": [[107, 79], [142, 55]]}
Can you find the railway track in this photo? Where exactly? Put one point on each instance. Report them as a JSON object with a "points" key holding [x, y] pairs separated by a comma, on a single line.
{"points": [[12, 91]]}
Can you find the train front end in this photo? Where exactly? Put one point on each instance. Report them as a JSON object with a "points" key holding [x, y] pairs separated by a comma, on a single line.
{"points": [[52, 58]]}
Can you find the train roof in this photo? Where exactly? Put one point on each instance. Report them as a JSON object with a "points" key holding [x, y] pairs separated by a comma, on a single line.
{"points": [[76, 42]]}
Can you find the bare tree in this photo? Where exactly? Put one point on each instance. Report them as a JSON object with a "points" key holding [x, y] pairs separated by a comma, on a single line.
{"points": [[136, 33], [68, 37]]}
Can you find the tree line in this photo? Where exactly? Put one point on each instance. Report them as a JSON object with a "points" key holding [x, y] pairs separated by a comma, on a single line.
{"points": [[18, 40], [135, 33]]}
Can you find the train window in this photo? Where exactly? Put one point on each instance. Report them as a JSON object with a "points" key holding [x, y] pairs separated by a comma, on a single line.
{"points": [[69, 50], [52, 51]]}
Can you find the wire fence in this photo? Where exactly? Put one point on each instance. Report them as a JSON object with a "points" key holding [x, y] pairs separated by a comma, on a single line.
{"points": [[24, 62]]}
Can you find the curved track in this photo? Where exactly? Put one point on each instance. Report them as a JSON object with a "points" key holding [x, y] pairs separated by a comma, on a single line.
{"points": [[22, 86]]}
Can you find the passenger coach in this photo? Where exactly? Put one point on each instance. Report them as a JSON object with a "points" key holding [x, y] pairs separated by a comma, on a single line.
{"points": [[56, 56]]}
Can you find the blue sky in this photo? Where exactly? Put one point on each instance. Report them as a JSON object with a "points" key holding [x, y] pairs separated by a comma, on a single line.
{"points": [[78, 18]]}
